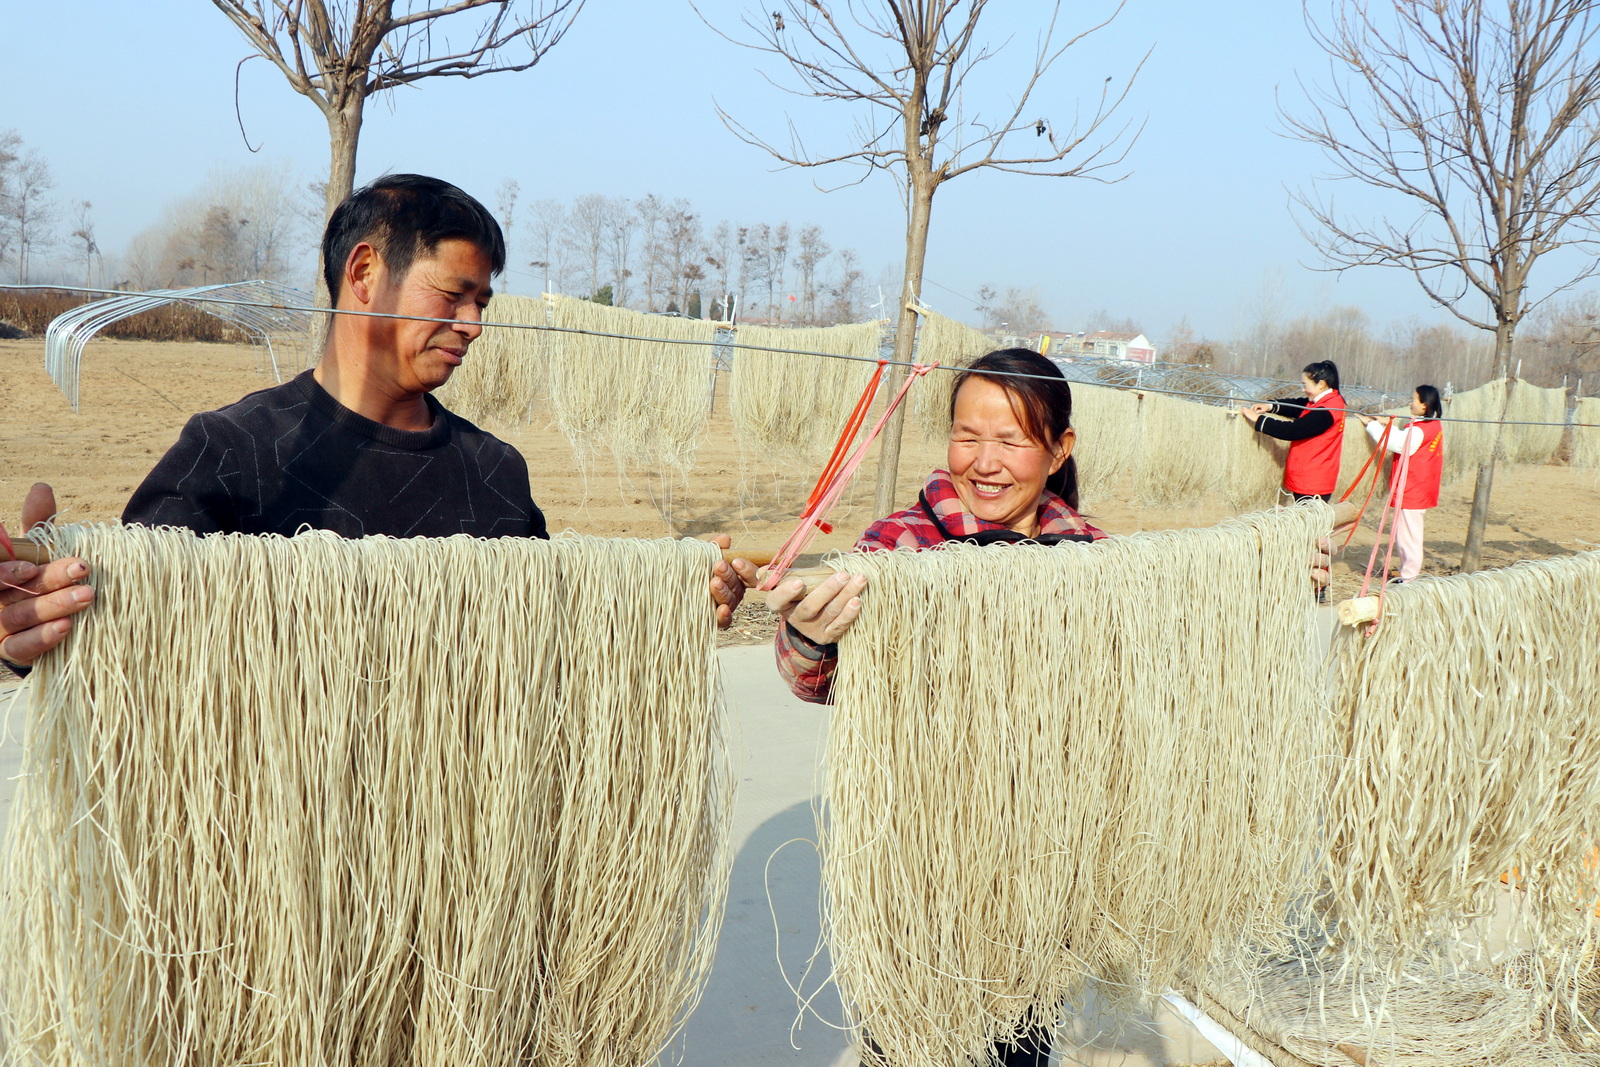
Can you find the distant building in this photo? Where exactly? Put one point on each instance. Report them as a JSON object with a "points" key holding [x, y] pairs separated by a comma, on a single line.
{"points": [[1112, 345]]}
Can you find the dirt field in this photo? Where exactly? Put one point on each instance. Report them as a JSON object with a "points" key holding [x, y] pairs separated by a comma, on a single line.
{"points": [[136, 396]]}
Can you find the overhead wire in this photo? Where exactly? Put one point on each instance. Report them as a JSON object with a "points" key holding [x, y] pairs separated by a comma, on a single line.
{"points": [[909, 365]]}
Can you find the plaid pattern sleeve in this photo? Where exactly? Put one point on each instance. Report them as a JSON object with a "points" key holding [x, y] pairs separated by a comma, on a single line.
{"points": [[804, 665], [808, 667]]}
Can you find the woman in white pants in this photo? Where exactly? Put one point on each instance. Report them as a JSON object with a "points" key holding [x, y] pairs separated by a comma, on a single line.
{"points": [[1422, 438]]}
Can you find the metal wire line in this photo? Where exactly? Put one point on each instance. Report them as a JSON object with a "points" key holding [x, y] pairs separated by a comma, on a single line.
{"points": [[725, 344]]}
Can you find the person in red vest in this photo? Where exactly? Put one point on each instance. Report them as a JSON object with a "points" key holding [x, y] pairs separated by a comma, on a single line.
{"points": [[1423, 440], [1314, 428]]}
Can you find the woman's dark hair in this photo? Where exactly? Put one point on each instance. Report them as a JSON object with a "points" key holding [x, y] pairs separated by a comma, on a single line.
{"points": [[1042, 403], [404, 216], [1324, 370], [1432, 407]]}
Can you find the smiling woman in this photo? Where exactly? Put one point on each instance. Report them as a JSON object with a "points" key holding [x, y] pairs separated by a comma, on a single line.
{"points": [[1011, 478]]}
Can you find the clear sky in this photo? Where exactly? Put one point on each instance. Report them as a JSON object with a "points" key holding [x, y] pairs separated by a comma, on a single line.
{"points": [[133, 105]]}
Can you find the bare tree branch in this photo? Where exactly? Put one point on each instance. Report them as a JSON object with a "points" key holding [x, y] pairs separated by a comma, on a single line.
{"points": [[1486, 120], [911, 63]]}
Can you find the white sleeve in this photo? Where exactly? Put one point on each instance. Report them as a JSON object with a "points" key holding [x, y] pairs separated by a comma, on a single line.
{"points": [[1409, 441]]}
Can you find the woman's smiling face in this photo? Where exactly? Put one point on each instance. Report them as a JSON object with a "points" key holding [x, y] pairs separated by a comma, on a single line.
{"points": [[998, 470]]}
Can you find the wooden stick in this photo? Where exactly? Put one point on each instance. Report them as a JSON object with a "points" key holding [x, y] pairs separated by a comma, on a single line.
{"points": [[1362, 609], [29, 552], [32, 553]]}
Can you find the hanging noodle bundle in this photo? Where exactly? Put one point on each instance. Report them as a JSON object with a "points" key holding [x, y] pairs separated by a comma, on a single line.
{"points": [[1252, 467], [1468, 444], [793, 406], [646, 401], [1106, 450], [1468, 751], [1529, 443], [1328, 1010], [1180, 459], [504, 375], [1586, 439], [1052, 764], [369, 802], [948, 343]]}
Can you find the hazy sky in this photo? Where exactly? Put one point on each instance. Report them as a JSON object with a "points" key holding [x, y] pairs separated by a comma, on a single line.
{"points": [[133, 105]]}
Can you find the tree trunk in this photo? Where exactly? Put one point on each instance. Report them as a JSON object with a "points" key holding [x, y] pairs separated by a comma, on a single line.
{"points": [[921, 193], [1472, 553], [344, 136]]}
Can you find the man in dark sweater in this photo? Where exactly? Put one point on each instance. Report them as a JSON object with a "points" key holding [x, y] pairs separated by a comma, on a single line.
{"points": [[356, 446]]}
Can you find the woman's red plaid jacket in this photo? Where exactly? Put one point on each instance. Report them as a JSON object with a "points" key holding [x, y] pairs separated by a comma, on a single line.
{"points": [[808, 667]]}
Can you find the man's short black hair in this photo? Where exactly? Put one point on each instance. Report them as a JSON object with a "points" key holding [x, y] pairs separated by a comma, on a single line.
{"points": [[404, 216]]}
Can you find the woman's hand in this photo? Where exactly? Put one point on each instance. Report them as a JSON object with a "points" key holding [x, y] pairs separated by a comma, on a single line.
{"points": [[826, 612]]}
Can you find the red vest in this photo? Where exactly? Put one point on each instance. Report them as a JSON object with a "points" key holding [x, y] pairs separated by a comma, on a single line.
{"points": [[1312, 467], [1423, 470]]}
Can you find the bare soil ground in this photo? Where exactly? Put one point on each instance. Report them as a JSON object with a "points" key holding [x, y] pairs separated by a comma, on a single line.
{"points": [[136, 396]]}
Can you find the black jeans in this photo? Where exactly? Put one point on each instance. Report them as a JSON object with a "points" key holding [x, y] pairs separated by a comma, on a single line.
{"points": [[1301, 498]]}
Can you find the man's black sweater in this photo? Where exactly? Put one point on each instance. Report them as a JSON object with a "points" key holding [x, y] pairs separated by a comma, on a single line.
{"points": [[293, 456]]}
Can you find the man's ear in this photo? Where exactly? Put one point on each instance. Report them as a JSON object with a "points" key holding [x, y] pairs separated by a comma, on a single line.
{"points": [[364, 272]]}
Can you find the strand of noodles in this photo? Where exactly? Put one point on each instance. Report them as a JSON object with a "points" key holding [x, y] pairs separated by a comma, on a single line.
{"points": [[506, 374], [1408, 1014], [948, 343], [1586, 439], [1045, 766], [1465, 727], [368, 802], [644, 401], [1534, 444], [789, 406], [1102, 420]]}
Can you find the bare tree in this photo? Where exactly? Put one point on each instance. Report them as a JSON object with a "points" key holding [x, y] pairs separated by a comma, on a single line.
{"points": [[809, 254], [722, 247], [1485, 122], [845, 292], [586, 235], [10, 153], [911, 62], [240, 224], [619, 248], [648, 210], [506, 201], [29, 212], [681, 246], [337, 54], [84, 234], [549, 227]]}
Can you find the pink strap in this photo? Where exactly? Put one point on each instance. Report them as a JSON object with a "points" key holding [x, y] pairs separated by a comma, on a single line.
{"points": [[1397, 497], [823, 503]]}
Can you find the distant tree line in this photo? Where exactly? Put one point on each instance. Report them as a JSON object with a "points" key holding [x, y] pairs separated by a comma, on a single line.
{"points": [[659, 254], [1559, 342]]}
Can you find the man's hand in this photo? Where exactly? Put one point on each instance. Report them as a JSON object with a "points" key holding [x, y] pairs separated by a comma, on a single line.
{"points": [[728, 582], [827, 613], [37, 603]]}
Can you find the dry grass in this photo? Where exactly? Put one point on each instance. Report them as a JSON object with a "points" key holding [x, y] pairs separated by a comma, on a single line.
{"points": [[33, 311]]}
